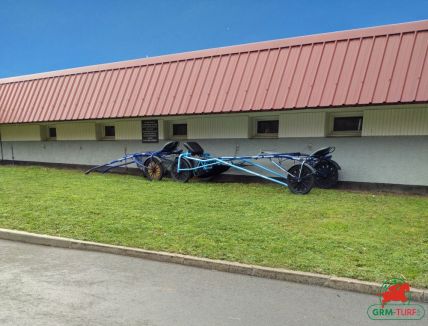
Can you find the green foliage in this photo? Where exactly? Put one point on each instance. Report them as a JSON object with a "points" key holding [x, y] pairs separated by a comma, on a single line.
{"points": [[351, 234]]}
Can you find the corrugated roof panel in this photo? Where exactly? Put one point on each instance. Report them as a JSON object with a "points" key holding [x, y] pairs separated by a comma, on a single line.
{"points": [[371, 77], [265, 81], [310, 75], [326, 58], [360, 70], [74, 104], [236, 82], [148, 89], [4, 91], [61, 89], [275, 80], [6, 111], [61, 114], [166, 88], [347, 72], [240, 83], [104, 93], [133, 89], [218, 81], [287, 76], [401, 68], [26, 90], [80, 107], [334, 72], [157, 89], [8, 91], [386, 64], [173, 83], [208, 84], [412, 79], [254, 85], [129, 82], [226, 79], [422, 90], [299, 76]]}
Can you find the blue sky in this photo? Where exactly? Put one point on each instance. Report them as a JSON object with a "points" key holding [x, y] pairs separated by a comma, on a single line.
{"points": [[44, 35]]}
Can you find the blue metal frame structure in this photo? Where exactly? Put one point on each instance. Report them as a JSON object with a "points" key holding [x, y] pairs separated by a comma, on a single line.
{"points": [[241, 163], [165, 155]]}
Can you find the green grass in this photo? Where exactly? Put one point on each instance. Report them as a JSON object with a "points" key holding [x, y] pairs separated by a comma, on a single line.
{"points": [[359, 235]]}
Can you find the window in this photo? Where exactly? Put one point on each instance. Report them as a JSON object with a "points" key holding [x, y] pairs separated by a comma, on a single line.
{"points": [[267, 128], [346, 125], [179, 129], [51, 133], [109, 132]]}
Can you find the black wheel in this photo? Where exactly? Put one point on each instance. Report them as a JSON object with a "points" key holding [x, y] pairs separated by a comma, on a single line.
{"points": [[153, 169], [326, 175], [213, 170], [182, 176], [303, 184]]}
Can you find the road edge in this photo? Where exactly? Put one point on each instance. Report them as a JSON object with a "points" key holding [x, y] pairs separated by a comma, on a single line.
{"points": [[338, 283]]}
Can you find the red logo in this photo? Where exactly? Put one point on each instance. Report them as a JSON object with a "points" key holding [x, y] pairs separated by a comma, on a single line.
{"points": [[395, 292], [394, 302]]}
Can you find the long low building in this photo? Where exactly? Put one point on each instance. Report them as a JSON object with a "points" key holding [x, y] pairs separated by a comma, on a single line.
{"points": [[363, 91]]}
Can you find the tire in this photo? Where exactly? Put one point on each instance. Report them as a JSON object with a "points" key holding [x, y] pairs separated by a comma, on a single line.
{"points": [[327, 174], [303, 185], [182, 176], [154, 169], [214, 170]]}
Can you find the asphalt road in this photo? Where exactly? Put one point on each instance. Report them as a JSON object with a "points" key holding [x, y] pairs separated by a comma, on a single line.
{"points": [[51, 286]]}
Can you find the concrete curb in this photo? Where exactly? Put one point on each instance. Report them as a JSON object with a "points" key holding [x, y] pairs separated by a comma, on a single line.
{"points": [[333, 282]]}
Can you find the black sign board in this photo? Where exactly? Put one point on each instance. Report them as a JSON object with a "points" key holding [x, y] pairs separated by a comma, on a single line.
{"points": [[150, 131]]}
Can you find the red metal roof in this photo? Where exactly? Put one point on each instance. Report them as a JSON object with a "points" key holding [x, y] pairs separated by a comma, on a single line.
{"points": [[379, 65]]}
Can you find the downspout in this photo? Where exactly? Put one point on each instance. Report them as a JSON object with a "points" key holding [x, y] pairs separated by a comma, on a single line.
{"points": [[1, 147]]}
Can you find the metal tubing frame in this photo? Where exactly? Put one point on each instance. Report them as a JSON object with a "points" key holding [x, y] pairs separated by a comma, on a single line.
{"points": [[135, 158], [229, 161]]}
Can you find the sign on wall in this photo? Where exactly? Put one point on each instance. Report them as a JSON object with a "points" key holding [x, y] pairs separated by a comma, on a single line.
{"points": [[150, 129]]}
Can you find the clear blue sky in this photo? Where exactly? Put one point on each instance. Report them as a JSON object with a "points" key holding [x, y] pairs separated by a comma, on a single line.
{"points": [[44, 35]]}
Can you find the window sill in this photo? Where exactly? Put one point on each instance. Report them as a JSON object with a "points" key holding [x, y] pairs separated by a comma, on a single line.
{"points": [[265, 136], [344, 134]]}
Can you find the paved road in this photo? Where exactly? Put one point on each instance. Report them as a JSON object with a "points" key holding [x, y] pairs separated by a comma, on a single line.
{"points": [[51, 286]]}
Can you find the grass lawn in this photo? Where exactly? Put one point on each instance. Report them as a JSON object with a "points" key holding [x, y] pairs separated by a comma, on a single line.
{"points": [[359, 235]]}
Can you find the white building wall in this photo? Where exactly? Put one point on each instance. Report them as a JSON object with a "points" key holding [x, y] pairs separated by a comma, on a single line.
{"points": [[130, 129], [218, 127], [370, 158], [302, 124], [395, 122], [21, 133], [76, 131]]}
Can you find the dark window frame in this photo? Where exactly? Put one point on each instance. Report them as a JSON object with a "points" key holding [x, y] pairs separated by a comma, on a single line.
{"points": [[175, 127], [346, 124], [52, 135], [107, 132], [262, 128]]}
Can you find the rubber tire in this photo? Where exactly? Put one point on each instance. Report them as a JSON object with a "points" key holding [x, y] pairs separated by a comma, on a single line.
{"points": [[154, 169], [182, 176], [306, 183], [327, 174], [210, 174]]}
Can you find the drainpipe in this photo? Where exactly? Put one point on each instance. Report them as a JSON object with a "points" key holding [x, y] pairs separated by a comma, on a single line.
{"points": [[1, 147]]}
